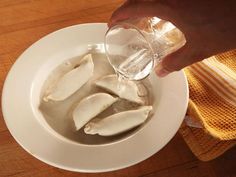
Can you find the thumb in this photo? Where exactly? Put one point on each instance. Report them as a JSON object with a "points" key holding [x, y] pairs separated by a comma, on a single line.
{"points": [[140, 9], [183, 57]]}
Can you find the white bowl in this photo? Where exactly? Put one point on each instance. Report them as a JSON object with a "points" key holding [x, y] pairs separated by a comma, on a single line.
{"points": [[21, 99]]}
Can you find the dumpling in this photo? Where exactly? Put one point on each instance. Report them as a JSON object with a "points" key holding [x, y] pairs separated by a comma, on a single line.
{"points": [[118, 123], [125, 89], [73, 80], [91, 106]]}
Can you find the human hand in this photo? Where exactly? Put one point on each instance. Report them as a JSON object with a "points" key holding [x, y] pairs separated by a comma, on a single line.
{"points": [[209, 27]]}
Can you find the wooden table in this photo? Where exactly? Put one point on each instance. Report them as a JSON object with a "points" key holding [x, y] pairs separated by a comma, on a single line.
{"points": [[22, 22]]}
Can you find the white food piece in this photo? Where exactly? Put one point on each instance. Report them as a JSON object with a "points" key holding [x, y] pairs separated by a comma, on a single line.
{"points": [[124, 89], [73, 80], [91, 106], [118, 123], [67, 63]]}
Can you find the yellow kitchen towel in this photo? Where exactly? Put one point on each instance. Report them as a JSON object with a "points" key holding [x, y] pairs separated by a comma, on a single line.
{"points": [[204, 146], [212, 104], [212, 86]]}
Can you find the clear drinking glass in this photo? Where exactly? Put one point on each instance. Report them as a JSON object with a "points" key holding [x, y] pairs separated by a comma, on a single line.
{"points": [[135, 47]]}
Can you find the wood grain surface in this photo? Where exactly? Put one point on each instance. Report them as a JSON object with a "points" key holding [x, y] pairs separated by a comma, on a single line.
{"points": [[22, 22]]}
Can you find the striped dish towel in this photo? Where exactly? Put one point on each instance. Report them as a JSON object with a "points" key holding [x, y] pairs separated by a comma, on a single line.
{"points": [[212, 105], [212, 84]]}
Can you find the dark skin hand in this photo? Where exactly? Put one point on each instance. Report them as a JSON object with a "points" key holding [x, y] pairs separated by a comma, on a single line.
{"points": [[209, 27]]}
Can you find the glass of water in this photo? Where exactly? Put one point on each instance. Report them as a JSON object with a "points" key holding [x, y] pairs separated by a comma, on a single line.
{"points": [[135, 47]]}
